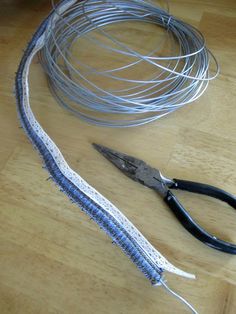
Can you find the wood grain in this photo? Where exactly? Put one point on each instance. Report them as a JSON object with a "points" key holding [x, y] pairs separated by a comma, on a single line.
{"points": [[53, 259]]}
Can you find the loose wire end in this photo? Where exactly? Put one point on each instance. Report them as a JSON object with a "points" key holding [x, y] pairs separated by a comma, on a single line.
{"points": [[163, 283]]}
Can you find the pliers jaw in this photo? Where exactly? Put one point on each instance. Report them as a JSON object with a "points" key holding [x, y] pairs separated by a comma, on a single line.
{"points": [[137, 170]]}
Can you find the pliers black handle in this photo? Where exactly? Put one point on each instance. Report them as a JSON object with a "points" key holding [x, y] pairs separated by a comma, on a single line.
{"points": [[186, 220]]}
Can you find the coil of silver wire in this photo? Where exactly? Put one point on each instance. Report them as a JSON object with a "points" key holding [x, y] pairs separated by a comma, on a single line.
{"points": [[99, 72]]}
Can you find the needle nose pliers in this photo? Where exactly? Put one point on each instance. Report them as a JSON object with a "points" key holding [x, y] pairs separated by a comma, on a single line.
{"points": [[139, 171]]}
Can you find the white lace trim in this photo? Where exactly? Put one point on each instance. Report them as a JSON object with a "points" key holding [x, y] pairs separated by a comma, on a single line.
{"points": [[79, 182]]}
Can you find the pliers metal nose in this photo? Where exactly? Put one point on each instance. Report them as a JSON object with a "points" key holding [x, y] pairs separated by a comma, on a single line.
{"points": [[139, 171]]}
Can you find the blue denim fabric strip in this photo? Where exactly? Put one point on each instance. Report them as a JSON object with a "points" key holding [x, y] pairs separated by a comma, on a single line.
{"points": [[101, 217]]}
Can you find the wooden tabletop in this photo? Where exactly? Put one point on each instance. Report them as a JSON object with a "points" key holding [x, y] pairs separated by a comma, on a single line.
{"points": [[53, 259]]}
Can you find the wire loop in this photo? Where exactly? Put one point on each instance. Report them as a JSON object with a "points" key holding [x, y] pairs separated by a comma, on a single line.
{"points": [[174, 79]]}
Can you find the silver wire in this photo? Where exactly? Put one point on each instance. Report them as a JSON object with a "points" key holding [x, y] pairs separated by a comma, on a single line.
{"points": [[178, 297], [177, 79]]}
